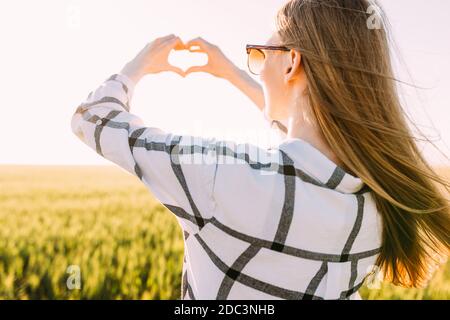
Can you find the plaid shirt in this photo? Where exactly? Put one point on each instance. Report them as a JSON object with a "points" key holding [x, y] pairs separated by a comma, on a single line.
{"points": [[259, 223]]}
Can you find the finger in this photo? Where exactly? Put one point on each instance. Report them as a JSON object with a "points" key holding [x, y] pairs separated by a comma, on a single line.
{"points": [[168, 36], [197, 42], [163, 39], [178, 44], [177, 70], [194, 69], [175, 43]]}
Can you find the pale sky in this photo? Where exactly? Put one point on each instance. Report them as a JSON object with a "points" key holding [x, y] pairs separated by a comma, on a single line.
{"points": [[54, 52]]}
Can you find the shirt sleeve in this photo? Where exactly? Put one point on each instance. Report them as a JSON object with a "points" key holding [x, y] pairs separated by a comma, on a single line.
{"points": [[178, 169]]}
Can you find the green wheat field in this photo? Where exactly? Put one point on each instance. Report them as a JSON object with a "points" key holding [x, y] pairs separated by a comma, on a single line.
{"points": [[103, 220]]}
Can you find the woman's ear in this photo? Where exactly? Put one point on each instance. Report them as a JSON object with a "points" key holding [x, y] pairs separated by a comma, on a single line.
{"points": [[293, 60]]}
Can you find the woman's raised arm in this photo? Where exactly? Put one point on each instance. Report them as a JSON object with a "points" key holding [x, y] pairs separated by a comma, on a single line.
{"points": [[220, 66]]}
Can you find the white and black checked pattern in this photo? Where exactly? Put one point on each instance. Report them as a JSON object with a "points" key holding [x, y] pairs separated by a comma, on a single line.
{"points": [[277, 223]]}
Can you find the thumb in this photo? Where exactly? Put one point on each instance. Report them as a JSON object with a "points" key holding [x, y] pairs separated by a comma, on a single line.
{"points": [[194, 69], [177, 70]]}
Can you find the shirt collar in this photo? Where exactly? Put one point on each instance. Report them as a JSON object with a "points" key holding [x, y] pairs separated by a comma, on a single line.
{"points": [[314, 163]]}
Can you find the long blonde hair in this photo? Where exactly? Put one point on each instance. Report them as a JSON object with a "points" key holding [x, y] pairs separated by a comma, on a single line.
{"points": [[352, 95]]}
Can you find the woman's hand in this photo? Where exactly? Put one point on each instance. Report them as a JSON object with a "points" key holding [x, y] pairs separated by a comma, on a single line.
{"points": [[218, 64], [153, 58]]}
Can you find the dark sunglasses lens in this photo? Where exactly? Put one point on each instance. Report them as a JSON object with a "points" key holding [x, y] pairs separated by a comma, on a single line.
{"points": [[255, 61]]}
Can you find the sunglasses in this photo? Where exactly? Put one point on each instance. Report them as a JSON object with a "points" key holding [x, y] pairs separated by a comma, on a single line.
{"points": [[256, 56]]}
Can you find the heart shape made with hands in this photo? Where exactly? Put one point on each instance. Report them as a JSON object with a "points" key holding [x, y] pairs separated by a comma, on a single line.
{"points": [[184, 59]]}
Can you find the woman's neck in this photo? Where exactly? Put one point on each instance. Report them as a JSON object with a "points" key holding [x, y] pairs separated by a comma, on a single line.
{"points": [[307, 131]]}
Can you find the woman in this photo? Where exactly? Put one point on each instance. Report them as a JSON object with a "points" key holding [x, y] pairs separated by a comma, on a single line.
{"points": [[345, 194]]}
